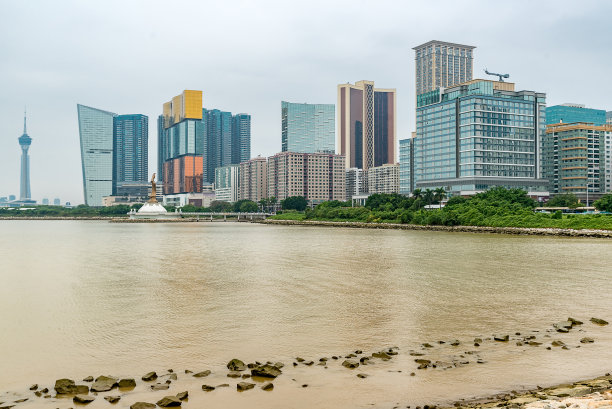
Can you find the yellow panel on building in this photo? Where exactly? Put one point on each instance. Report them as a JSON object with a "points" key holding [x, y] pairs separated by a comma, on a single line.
{"points": [[177, 108], [192, 104]]}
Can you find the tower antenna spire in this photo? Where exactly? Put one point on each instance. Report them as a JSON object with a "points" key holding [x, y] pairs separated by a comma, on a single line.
{"points": [[24, 120]]}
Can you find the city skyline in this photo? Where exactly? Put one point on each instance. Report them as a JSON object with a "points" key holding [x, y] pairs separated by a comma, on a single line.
{"points": [[52, 78]]}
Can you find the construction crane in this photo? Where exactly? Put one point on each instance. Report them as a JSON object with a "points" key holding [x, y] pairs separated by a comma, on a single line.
{"points": [[501, 76]]}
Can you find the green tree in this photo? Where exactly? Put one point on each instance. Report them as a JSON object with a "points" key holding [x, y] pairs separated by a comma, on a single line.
{"points": [[439, 194], [219, 206], [564, 200], [428, 196], [248, 206], [417, 194], [298, 203], [604, 204]]}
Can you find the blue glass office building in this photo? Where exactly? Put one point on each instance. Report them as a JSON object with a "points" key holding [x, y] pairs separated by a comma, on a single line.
{"points": [[406, 160], [474, 136], [241, 138], [130, 155], [96, 137], [308, 128], [569, 113]]}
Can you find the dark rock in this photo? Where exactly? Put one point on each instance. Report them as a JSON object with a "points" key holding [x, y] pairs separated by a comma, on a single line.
{"points": [[34, 387], [422, 361], [88, 379], [350, 364], [266, 371], [151, 376], [172, 376], [563, 326], [295, 364], [455, 343], [299, 359], [169, 401], [103, 384], [359, 352], [67, 387], [599, 321], [350, 356], [160, 387], [236, 365], [364, 360], [574, 321], [381, 355], [322, 359], [279, 365], [412, 374], [203, 374], [45, 390], [83, 399], [427, 345], [305, 385], [534, 343], [334, 357], [501, 338], [557, 343], [587, 340], [234, 374], [268, 386], [251, 365], [245, 376], [182, 395], [127, 383], [223, 385], [142, 405], [478, 340], [188, 371], [362, 375], [38, 393], [208, 388], [112, 399], [243, 386]]}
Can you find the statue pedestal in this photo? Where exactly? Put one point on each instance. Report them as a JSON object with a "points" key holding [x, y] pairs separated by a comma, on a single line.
{"points": [[153, 211]]}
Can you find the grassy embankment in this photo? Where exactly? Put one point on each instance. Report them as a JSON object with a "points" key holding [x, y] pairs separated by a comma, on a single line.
{"points": [[495, 208]]}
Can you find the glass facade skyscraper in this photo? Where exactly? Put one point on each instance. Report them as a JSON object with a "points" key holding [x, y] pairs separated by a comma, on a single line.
{"points": [[475, 136], [241, 138], [219, 141], [568, 113], [308, 128], [440, 64], [130, 154], [96, 137], [405, 154], [366, 125]]}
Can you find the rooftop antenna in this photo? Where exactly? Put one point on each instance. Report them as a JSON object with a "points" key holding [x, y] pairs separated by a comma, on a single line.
{"points": [[24, 120], [501, 76]]}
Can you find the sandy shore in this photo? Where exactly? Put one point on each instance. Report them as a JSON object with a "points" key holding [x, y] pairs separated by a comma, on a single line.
{"points": [[464, 229]]}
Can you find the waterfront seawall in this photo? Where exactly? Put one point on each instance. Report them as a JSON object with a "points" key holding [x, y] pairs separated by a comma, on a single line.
{"points": [[465, 229]]}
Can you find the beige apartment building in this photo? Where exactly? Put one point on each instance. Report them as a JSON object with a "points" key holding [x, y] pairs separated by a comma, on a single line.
{"points": [[383, 179], [318, 177], [254, 179]]}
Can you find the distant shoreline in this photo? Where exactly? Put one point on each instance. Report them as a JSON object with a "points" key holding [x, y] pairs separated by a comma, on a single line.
{"points": [[464, 229]]}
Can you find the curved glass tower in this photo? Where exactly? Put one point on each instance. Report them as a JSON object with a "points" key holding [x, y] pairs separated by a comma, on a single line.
{"points": [[25, 141]]}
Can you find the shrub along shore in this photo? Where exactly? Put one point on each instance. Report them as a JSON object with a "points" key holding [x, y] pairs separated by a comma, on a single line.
{"points": [[497, 210]]}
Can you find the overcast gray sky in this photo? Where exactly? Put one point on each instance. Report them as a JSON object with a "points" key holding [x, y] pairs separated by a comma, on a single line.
{"points": [[246, 56]]}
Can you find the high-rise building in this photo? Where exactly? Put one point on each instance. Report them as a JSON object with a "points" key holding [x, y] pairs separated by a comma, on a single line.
{"points": [[353, 183], [219, 141], [308, 128], [568, 113], [227, 183], [130, 155], [161, 145], [477, 135], [56, 202], [45, 201], [405, 166], [96, 137], [25, 141], [575, 157], [241, 138], [384, 179], [366, 124], [609, 117], [182, 144], [318, 177], [253, 176], [440, 64]]}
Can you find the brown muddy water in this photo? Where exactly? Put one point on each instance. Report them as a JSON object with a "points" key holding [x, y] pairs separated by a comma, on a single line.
{"points": [[81, 298]]}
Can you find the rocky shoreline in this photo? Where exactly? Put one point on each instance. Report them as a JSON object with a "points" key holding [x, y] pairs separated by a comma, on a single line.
{"points": [[440, 355], [464, 229]]}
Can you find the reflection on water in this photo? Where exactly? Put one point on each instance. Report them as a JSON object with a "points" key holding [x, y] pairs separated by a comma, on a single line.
{"points": [[81, 298]]}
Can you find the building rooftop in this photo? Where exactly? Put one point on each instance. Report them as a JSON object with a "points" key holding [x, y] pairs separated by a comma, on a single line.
{"points": [[436, 42]]}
